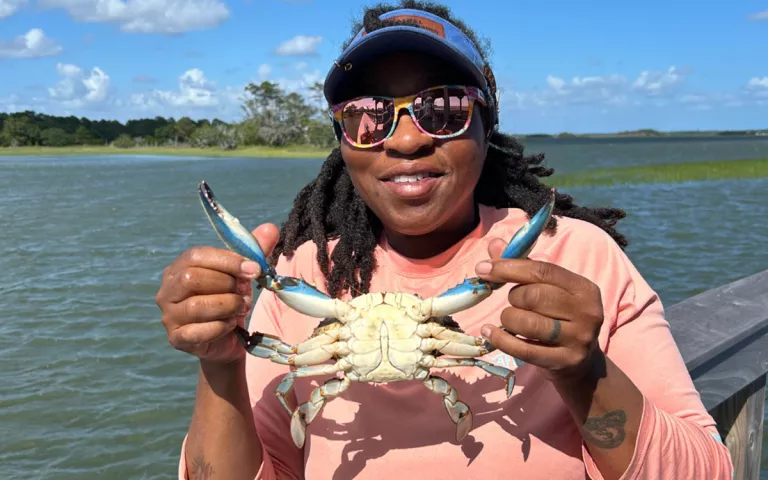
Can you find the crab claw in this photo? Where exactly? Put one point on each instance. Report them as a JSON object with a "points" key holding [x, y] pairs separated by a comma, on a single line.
{"points": [[474, 290], [296, 293], [524, 239], [236, 237]]}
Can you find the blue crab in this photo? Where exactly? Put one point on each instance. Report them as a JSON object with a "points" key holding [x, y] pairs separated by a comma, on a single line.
{"points": [[377, 337]]}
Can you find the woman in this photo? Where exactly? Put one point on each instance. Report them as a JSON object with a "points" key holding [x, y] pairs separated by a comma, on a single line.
{"points": [[418, 208]]}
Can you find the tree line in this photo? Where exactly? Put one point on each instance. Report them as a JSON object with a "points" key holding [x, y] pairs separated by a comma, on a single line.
{"points": [[272, 117]]}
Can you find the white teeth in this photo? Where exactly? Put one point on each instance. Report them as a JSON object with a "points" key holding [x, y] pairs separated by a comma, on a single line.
{"points": [[410, 178]]}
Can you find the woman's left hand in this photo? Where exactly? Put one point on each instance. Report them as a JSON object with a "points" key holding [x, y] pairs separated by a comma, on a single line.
{"points": [[558, 312]]}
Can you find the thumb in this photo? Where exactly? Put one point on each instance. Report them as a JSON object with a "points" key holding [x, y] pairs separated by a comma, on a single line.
{"points": [[267, 234], [496, 247]]}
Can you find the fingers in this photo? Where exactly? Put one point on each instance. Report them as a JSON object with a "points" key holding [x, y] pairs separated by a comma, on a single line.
{"points": [[193, 336], [208, 308], [206, 293], [200, 281], [531, 271], [545, 356], [267, 234], [210, 258], [496, 247], [547, 300], [534, 326]]}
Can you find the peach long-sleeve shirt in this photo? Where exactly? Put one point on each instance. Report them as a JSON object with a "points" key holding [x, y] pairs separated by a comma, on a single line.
{"points": [[402, 430]]}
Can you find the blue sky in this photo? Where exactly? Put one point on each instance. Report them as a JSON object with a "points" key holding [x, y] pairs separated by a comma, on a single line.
{"points": [[597, 66]]}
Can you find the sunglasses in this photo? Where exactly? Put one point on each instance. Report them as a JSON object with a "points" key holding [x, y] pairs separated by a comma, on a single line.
{"points": [[441, 112]]}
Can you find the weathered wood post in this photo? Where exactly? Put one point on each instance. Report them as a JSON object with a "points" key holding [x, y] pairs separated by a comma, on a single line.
{"points": [[723, 337]]}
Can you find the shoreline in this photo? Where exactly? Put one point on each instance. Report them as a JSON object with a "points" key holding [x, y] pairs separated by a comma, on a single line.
{"points": [[305, 152], [247, 152], [710, 170]]}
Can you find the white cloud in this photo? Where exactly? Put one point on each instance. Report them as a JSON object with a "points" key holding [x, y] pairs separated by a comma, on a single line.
{"points": [[300, 45], [656, 84], [91, 94], [147, 16], [759, 15], [610, 90], [9, 7], [80, 89], [197, 96], [758, 83], [194, 91], [33, 44], [300, 84], [598, 89], [14, 103], [264, 71], [757, 90]]}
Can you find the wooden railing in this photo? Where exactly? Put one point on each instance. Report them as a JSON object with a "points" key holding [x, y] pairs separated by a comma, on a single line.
{"points": [[723, 337]]}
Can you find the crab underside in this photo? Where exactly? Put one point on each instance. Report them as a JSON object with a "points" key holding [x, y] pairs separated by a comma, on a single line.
{"points": [[373, 338]]}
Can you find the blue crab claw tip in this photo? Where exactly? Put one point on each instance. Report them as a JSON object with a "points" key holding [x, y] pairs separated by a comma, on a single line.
{"points": [[523, 241]]}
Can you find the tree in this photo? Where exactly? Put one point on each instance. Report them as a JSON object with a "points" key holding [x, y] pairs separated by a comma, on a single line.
{"points": [[19, 131], [56, 137], [83, 136], [124, 141], [272, 117], [279, 118]]}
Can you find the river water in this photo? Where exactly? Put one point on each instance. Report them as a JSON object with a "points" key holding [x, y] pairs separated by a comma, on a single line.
{"points": [[90, 386]]}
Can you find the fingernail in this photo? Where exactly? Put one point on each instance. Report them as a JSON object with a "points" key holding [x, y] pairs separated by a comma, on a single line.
{"points": [[483, 268], [249, 268], [486, 332], [246, 304], [244, 286]]}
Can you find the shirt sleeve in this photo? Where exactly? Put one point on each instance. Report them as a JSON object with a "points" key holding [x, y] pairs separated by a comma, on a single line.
{"points": [[677, 437], [281, 458]]}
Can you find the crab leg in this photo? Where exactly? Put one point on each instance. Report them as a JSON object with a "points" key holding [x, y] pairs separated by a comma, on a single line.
{"points": [[459, 411], [435, 330], [306, 412], [286, 385], [296, 293], [450, 347], [313, 351], [505, 373], [266, 346], [474, 290]]}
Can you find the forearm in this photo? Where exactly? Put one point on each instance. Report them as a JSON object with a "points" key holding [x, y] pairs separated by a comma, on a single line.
{"points": [[608, 409], [222, 442]]}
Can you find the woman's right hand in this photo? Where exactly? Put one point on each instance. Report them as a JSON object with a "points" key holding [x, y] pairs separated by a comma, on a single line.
{"points": [[205, 293]]}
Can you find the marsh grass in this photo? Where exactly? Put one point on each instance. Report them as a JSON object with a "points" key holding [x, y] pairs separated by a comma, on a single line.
{"points": [[665, 173]]}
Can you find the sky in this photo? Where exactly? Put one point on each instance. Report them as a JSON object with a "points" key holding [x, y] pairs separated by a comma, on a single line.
{"points": [[561, 66]]}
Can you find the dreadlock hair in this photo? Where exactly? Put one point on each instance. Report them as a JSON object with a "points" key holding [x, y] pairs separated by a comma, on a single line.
{"points": [[329, 208]]}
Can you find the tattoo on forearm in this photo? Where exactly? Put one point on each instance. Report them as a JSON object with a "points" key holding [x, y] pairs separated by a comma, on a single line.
{"points": [[606, 431], [201, 469]]}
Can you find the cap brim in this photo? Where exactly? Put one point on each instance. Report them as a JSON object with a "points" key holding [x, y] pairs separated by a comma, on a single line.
{"points": [[389, 40]]}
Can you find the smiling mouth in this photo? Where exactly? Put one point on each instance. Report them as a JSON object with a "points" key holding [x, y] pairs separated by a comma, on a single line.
{"points": [[412, 178]]}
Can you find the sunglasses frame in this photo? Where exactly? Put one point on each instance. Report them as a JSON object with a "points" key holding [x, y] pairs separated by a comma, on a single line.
{"points": [[474, 94]]}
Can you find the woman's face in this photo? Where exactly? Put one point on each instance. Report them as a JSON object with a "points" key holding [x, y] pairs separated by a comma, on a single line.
{"points": [[441, 202]]}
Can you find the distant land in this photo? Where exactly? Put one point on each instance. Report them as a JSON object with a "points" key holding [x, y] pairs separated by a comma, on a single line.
{"points": [[276, 124], [651, 133]]}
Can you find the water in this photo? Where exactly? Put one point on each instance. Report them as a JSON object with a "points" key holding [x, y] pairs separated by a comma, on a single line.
{"points": [[91, 388]]}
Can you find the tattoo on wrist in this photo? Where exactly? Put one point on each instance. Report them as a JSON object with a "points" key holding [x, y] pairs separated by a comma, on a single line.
{"points": [[606, 431], [201, 469]]}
